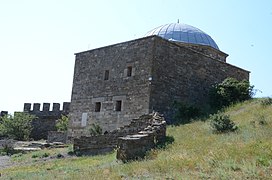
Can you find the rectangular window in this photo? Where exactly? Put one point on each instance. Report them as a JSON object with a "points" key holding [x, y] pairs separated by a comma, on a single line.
{"points": [[106, 75], [118, 106], [97, 107], [129, 71]]}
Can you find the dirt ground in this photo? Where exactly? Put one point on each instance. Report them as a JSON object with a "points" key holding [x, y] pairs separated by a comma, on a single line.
{"points": [[5, 162]]}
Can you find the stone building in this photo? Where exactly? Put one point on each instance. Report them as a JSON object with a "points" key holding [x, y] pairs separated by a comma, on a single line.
{"points": [[119, 82]]}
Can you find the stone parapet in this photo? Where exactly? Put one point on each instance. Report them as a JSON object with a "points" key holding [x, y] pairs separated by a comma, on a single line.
{"points": [[46, 119], [3, 113], [46, 109]]}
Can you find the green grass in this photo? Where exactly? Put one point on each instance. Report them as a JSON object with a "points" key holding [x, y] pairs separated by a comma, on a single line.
{"points": [[196, 153]]}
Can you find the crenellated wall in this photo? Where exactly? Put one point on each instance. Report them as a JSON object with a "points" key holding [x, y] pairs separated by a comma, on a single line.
{"points": [[3, 113], [36, 109], [46, 118]]}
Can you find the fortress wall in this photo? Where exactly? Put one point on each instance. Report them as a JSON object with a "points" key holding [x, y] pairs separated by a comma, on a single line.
{"points": [[46, 119], [3, 113]]}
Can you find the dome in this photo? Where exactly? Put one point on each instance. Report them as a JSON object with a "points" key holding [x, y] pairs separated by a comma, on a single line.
{"points": [[183, 33]]}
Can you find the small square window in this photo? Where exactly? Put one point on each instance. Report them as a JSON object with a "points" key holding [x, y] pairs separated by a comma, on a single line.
{"points": [[97, 107], [106, 75], [118, 106], [129, 71]]}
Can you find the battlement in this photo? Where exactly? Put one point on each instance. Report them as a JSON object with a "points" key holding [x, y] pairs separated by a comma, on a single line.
{"points": [[36, 110], [3, 113], [46, 117]]}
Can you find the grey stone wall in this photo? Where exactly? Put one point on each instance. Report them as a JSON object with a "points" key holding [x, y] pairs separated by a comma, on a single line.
{"points": [[206, 50], [3, 113], [46, 119], [151, 124], [182, 74], [134, 147], [56, 136], [90, 86]]}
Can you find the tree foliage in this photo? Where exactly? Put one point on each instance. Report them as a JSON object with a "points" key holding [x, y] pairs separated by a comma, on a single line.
{"points": [[62, 123], [230, 91], [95, 130], [16, 127]]}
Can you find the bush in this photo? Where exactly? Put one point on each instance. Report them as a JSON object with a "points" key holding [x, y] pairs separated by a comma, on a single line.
{"points": [[34, 156], [184, 113], [45, 155], [62, 123], [95, 130], [221, 123], [16, 127], [230, 91], [266, 101], [59, 155]]}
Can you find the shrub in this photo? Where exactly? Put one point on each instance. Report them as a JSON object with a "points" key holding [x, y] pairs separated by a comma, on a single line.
{"points": [[221, 123], [230, 91], [45, 155], [168, 140], [263, 161], [70, 153], [95, 130], [266, 101], [184, 113], [34, 156], [59, 155], [17, 127], [62, 123]]}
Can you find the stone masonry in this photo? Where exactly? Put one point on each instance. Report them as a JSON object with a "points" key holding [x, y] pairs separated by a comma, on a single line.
{"points": [[57, 136], [90, 87], [46, 119], [184, 74], [3, 113], [120, 82], [133, 147], [150, 127]]}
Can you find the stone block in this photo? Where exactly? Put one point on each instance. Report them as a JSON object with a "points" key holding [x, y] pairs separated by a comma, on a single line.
{"points": [[55, 136], [36, 107], [27, 107], [56, 107], [46, 107]]}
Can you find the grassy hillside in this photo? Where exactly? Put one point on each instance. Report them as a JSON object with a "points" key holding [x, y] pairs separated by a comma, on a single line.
{"points": [[196, 153]]}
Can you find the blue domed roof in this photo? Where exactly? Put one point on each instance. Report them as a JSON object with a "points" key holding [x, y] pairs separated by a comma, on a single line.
{"points": [[183, 33]]}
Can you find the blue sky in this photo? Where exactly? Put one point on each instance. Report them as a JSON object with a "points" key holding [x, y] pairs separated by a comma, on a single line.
{"points": [[38, 39]]}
